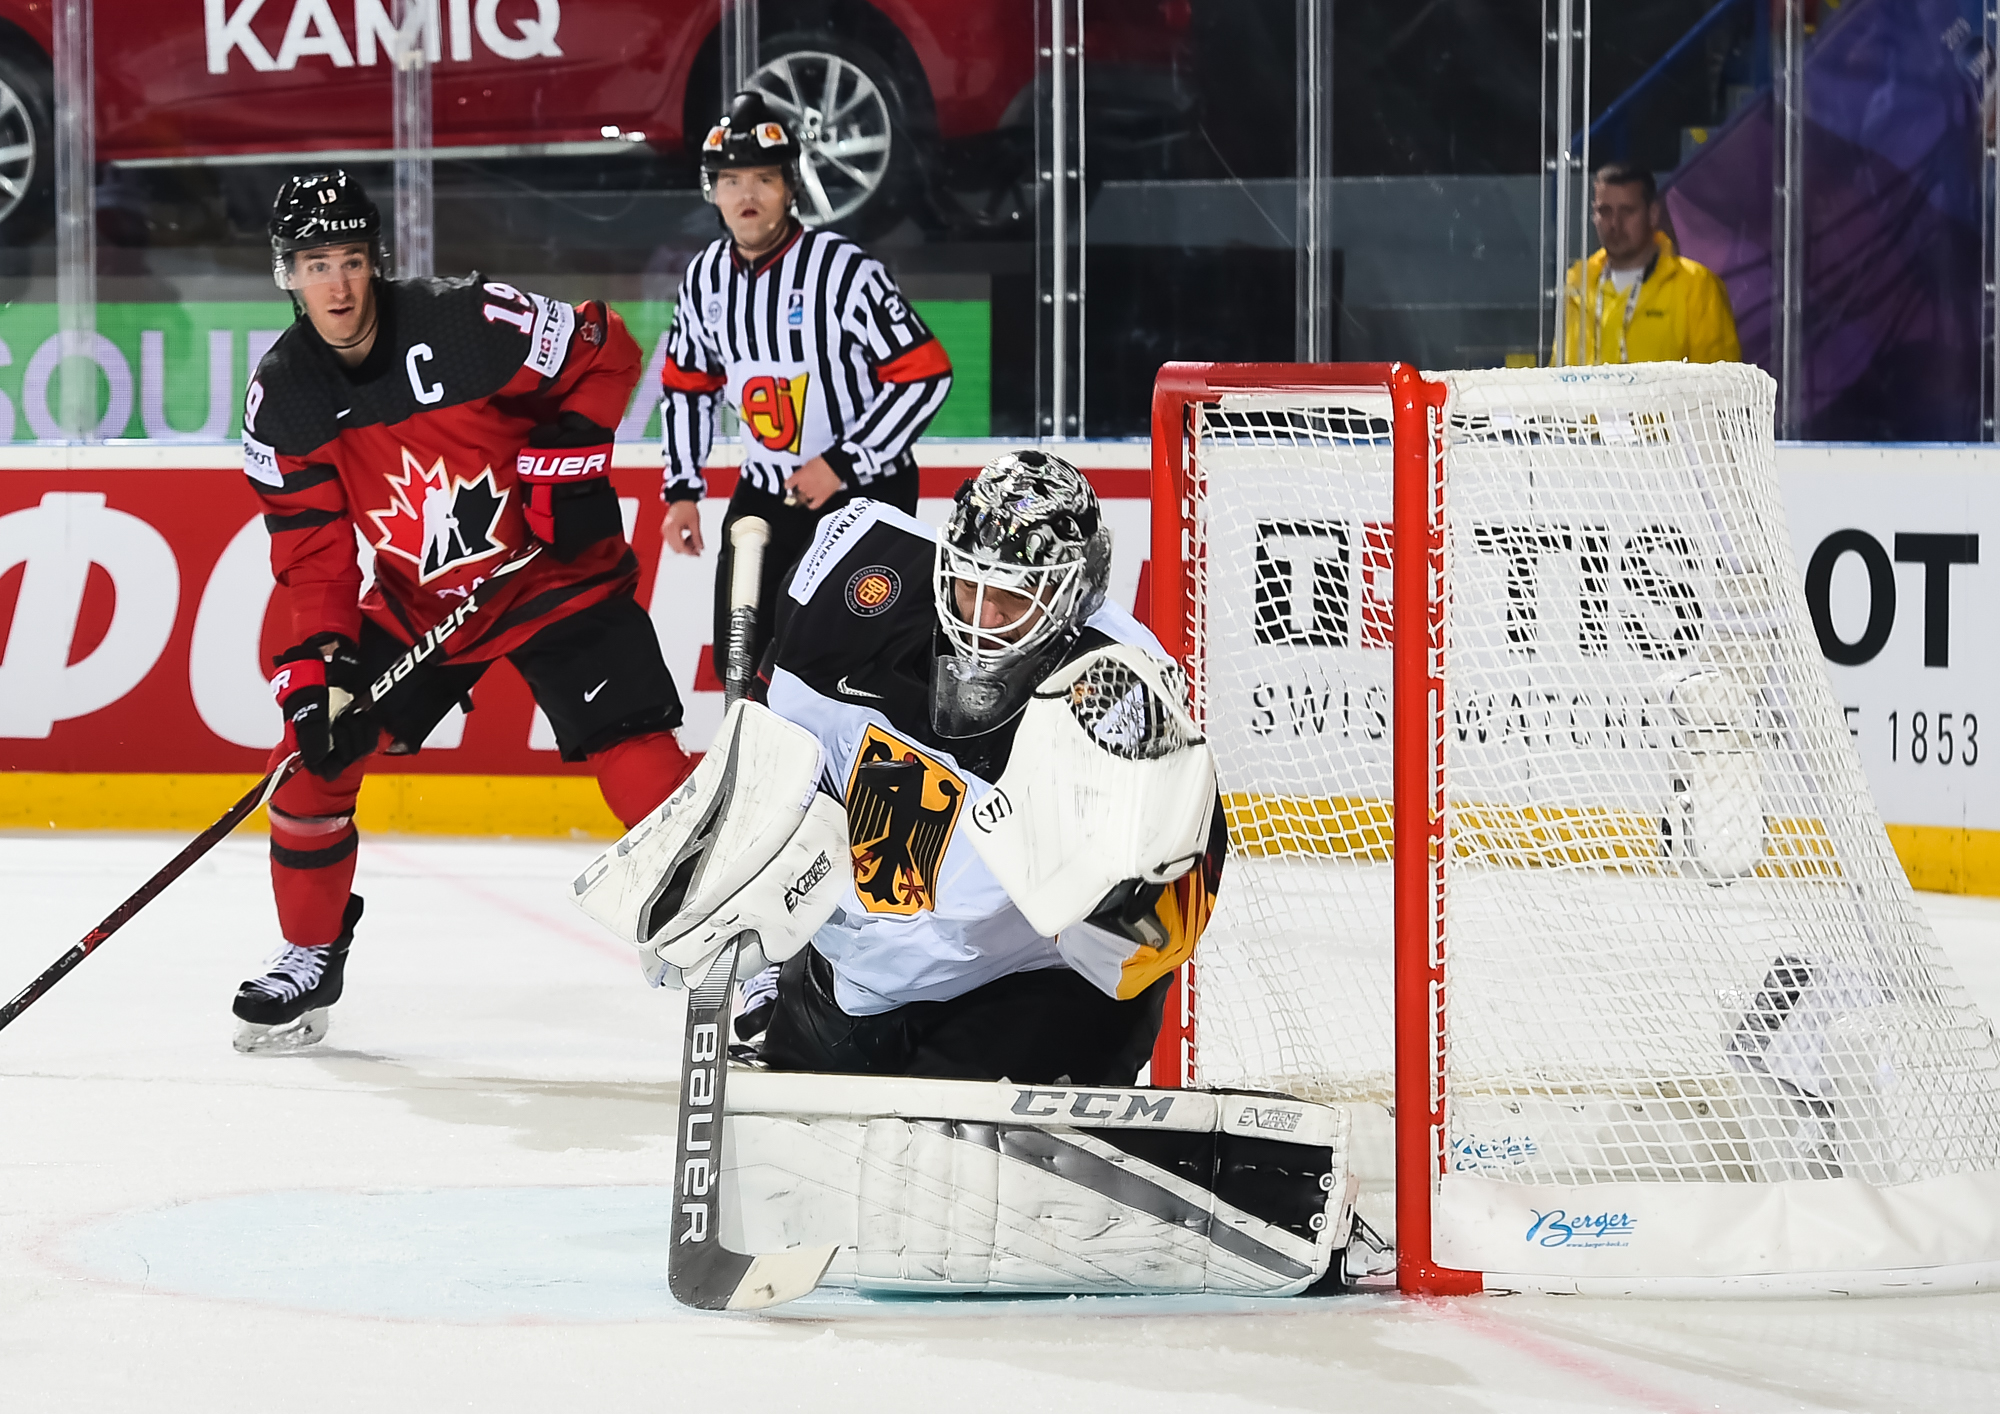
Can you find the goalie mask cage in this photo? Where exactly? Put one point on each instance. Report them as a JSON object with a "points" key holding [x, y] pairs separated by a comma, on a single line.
{"points": [[1548, 838]]}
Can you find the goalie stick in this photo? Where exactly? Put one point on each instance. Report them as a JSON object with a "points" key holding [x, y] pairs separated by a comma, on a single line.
{"points": [[258, 795], [701, 1272], [747, 539]]}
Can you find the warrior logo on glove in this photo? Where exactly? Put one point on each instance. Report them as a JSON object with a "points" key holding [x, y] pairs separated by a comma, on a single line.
{"points": [[901, 809]]}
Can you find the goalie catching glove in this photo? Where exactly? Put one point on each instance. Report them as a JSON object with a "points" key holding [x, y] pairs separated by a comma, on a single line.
{"points": [[1109, 788], [747, 843]]}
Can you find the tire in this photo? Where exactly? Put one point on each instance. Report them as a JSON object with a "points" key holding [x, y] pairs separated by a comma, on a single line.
{"points": [[27, 156], [855, 163]]}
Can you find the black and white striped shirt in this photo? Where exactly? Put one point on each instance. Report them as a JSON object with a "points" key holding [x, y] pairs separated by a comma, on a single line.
{"points": [[816, 349]]}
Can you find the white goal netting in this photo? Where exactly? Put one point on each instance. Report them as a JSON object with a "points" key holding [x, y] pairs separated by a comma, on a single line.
{"points": [[1678, 947]]}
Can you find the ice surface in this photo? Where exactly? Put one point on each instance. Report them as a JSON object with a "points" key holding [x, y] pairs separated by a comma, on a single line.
{"points": [[458, 1203]]}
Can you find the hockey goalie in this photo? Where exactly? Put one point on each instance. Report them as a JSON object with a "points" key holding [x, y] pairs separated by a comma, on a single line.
{"points": [[957, 852]]}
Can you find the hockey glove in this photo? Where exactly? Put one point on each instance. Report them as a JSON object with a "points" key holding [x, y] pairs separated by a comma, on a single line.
{"points": [[314, 685], [565, 471]]}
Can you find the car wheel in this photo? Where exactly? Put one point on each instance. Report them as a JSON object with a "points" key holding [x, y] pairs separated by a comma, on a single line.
{"points": [[27, 164], [855, 151]]}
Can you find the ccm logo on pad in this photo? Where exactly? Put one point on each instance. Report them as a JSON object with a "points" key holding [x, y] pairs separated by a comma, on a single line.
{"points": [[1092, 1104]]}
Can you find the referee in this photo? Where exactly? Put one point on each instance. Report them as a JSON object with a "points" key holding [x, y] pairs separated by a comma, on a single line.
{"points": [[832, 374]]}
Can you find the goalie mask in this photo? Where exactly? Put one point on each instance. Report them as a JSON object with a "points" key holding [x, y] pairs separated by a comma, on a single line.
{"points": [[1021, 564]]}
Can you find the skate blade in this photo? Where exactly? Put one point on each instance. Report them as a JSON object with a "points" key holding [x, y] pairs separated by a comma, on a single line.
{"points": [[307, 1030]]}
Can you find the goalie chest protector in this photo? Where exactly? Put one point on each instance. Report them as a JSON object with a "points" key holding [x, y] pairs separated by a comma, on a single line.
{"points": [[924, 919]]}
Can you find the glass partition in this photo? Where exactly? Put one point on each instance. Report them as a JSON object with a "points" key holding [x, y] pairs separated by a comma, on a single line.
{"points": [[1296, 179], [1841, 193], [1072, 191], [547, 145]]}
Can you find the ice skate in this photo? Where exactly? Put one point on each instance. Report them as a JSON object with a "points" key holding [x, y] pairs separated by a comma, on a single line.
{"points": [[285, 1008]]}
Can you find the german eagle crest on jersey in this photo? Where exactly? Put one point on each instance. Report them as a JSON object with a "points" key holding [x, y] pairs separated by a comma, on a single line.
{"points": [[902, 806], [439, 522]]}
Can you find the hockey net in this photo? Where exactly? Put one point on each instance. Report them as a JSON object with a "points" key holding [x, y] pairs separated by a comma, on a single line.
{"points": [[1657, 1004]]}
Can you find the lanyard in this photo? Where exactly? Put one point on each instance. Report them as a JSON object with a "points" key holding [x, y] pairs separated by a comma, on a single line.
{"points": [[1631, 306]]}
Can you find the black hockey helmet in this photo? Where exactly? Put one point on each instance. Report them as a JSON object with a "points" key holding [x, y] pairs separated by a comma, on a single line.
{"points": [[750, 134], [1029, 526], [318, 209]]}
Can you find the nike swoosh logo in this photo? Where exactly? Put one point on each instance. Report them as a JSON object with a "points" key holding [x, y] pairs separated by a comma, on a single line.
{"points": [[842, 688], [343, 412], [595, 690]]}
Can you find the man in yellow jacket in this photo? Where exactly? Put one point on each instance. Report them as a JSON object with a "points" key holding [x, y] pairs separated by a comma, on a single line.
{"points": [[1636, 300]]}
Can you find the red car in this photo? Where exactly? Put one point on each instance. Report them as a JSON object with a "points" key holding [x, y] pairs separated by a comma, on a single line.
{"points": [[882, 90]]}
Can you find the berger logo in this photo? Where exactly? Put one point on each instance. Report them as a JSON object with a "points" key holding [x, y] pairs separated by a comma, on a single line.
{"points": [[798, 889], [448, 526], [873, 590], [774, 410], [1096, 1106], [902, 806], [1272, 1118], [1561, 1228]]}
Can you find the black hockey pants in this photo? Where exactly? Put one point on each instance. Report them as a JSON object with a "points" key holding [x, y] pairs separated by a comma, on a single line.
{"points": [[1036, 1028]]}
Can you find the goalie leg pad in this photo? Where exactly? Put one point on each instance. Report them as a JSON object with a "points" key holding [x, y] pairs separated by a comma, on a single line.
{"points": [[965, 1186]]}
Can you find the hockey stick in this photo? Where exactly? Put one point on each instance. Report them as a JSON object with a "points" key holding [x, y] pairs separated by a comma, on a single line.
{"points": [[259, 794], [701, 1272], [201, 844], [747, 539]]}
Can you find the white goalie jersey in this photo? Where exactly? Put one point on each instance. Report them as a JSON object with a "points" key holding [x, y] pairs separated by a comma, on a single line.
{"points": [[922, 916]]}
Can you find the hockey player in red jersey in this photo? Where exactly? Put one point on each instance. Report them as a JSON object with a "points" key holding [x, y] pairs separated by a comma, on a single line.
{"points": [[459, 426]]}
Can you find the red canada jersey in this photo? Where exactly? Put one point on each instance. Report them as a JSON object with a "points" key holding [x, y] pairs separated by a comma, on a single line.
{"points": [[415, 450]]}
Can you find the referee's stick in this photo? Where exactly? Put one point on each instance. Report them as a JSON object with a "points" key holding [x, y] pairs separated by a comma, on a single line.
{"points": [[747, 539], [431, 645]]}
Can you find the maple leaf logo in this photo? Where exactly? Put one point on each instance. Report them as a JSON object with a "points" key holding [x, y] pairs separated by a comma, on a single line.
{"points": [[437, 522]]}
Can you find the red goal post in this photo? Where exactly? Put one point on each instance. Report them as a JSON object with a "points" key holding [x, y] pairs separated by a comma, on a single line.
{"points": [[1417, 404]]}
